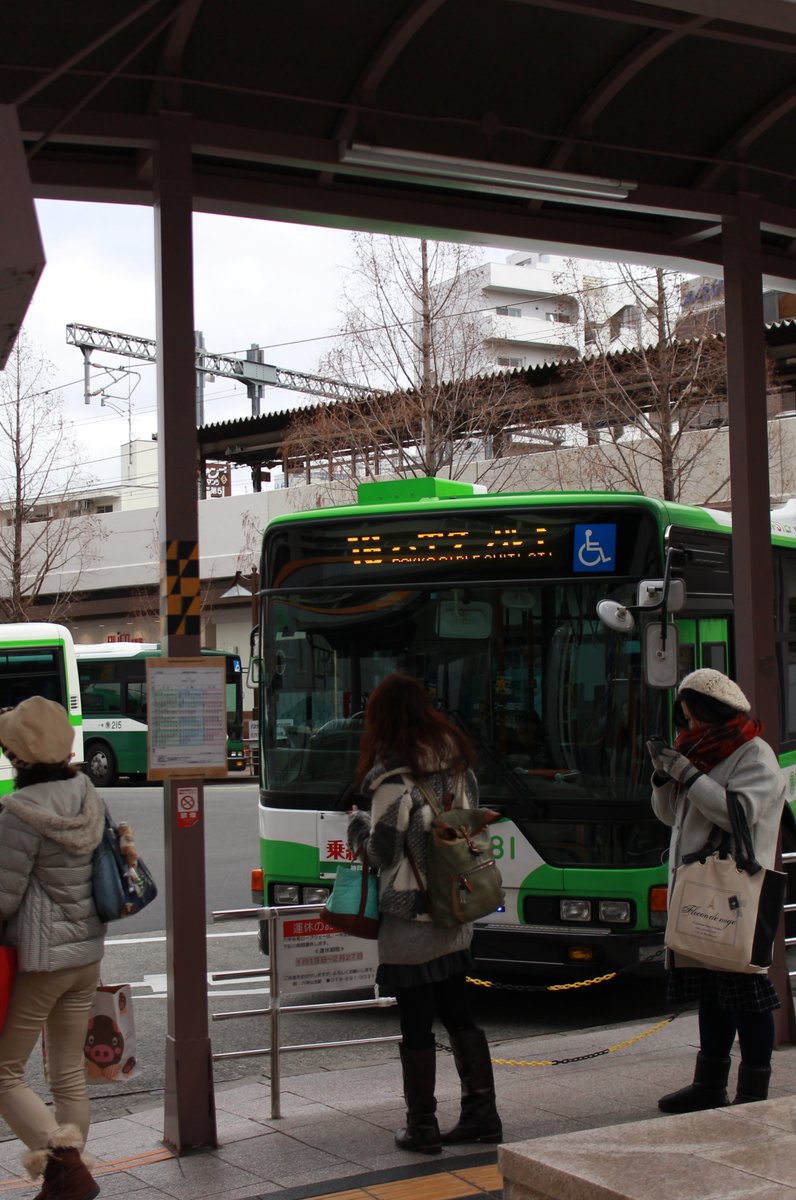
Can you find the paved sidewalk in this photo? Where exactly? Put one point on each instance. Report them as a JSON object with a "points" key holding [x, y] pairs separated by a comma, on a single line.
{"points": [[335, 1137]]}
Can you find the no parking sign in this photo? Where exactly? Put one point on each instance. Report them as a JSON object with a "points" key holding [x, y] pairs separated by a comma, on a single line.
{"points": [[187, 806]]}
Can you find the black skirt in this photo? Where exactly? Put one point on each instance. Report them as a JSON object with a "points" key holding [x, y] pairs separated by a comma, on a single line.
{"points": [[727, 989], [390, 976]]}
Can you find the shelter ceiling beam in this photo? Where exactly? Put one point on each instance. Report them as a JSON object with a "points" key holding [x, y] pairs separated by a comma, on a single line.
{"points": [[254, 148], [738, 145], [381, 209], [398, 38], [612, 84], [48, 77], [729, 28], [168, 93]]}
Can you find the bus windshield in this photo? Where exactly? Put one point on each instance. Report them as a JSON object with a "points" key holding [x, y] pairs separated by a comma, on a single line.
{"points": [[553, 700]]}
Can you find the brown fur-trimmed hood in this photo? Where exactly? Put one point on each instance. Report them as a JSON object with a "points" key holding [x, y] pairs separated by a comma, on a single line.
{"points": [[68, 811]]}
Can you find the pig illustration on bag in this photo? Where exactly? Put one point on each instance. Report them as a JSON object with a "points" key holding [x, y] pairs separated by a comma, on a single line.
{"points": [[110, 1046], [104, 1041]]}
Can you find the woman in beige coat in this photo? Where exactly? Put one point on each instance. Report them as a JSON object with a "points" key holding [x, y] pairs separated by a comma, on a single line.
{"points": [[49, 829], [719, 750]]}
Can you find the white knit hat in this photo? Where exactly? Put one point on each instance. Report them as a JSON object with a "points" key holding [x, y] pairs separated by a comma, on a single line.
{"points": [[717, 687]]}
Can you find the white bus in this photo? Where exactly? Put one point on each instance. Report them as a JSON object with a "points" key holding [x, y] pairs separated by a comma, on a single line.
{"points": [[38, 659]]}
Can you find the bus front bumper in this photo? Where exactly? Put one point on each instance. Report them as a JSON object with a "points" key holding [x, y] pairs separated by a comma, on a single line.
{"points": [[564, 952]]}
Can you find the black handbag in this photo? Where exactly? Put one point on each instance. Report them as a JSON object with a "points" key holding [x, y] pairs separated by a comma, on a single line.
{"points": [[119, 890]]}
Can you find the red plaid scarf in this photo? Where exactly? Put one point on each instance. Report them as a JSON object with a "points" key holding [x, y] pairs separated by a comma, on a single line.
{"points": [[709, 745]]}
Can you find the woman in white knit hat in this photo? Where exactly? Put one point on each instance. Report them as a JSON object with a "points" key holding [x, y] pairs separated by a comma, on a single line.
{"points": [[719, 749]]}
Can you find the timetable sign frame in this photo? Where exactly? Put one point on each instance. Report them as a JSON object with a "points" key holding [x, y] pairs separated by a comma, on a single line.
{"points": [[187, 717]]}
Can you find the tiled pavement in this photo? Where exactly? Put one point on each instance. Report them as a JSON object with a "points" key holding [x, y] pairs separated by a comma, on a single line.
{"points": [[335, 1137]]}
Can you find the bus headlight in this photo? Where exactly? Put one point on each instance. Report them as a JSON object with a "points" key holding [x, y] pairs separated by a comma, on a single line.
{"points": [[614, 912], [286, 893], [575, 910], [314, 895]]}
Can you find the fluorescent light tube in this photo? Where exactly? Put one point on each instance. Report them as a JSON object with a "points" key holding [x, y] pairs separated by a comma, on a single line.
{"points": [[472, 175]]}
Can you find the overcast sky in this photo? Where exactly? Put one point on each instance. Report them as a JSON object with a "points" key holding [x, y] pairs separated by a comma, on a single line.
{"points": [[278, 285], [255, 281]]}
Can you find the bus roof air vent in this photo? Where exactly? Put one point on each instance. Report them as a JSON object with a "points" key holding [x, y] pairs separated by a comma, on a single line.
{"points": [[403, 491]]}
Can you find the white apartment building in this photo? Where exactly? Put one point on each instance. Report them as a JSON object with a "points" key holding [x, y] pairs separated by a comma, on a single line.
{"points": [[527, 314], [538, 308]]}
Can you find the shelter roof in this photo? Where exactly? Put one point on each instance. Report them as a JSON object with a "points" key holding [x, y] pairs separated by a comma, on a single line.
{"points": [[689, 102]]}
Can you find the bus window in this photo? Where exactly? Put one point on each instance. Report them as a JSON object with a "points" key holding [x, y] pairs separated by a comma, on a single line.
{"points": [[136, 698], [35, 671], [714, 654]]}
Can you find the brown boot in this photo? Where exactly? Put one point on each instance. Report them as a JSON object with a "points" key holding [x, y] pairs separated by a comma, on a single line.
{"points": [[66, 1176], [479, 1120]]}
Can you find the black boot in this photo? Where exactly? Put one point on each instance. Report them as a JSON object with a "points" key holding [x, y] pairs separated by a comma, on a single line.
{"points": [[479, 1120], [709, 1089], [422, 1131], [752, 1084]]}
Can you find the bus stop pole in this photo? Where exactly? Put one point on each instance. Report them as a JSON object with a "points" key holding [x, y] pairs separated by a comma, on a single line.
{"points": [[189, 1104]]}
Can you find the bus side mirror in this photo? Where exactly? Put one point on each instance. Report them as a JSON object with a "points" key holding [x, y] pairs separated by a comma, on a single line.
{"points": [[661, 655], [255, 662], [662, 593]]}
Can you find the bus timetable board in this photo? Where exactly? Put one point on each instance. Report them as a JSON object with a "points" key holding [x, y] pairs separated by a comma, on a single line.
{"points": [[187, 718]]}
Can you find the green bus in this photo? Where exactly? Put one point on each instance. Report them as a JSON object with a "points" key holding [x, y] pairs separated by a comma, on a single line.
{"points": [[492, 602], [113, 690], [38, 659]]}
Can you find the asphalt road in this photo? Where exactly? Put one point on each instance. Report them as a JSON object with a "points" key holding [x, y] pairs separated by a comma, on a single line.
{"points": [[231, 844]]}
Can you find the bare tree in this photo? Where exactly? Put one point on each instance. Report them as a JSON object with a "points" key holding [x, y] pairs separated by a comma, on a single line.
{"points": [[44, 543], [412, 331], [649, 393]]}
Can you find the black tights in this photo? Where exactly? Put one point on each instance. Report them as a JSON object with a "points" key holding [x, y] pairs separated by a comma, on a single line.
{"points": [[718, 1026], [417, 1006]]}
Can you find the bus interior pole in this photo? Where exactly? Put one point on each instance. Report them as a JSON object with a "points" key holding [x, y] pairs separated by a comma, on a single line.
{"points": [[189, 1103]]}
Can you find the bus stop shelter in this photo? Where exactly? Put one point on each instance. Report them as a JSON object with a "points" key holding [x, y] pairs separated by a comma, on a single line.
{"points": [[628, 129]]}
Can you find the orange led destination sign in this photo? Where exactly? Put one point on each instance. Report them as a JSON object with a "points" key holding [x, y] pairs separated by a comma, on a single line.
{"points": [[455, 545]]}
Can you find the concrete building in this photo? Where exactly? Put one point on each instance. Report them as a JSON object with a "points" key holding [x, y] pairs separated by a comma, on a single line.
{"points": [[538, 308]]}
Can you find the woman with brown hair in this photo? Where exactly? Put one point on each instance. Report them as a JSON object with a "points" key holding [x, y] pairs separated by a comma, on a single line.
{"points": [[408, 747]]}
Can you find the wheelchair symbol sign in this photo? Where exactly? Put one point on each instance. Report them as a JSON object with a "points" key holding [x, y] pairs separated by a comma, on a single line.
{"points": [[594, 548]]}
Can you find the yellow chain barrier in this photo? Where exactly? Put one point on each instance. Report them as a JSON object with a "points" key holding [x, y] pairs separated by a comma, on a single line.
{"points": [[563, 987], [558, 1062], [550, 987]]}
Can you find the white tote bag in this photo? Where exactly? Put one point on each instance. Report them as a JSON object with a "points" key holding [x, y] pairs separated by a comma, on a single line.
{"points": [[725, 908]]}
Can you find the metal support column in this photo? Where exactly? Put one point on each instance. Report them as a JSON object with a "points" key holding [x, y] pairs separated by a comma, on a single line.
{"points": [[753, 563], [189, 1107]]}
